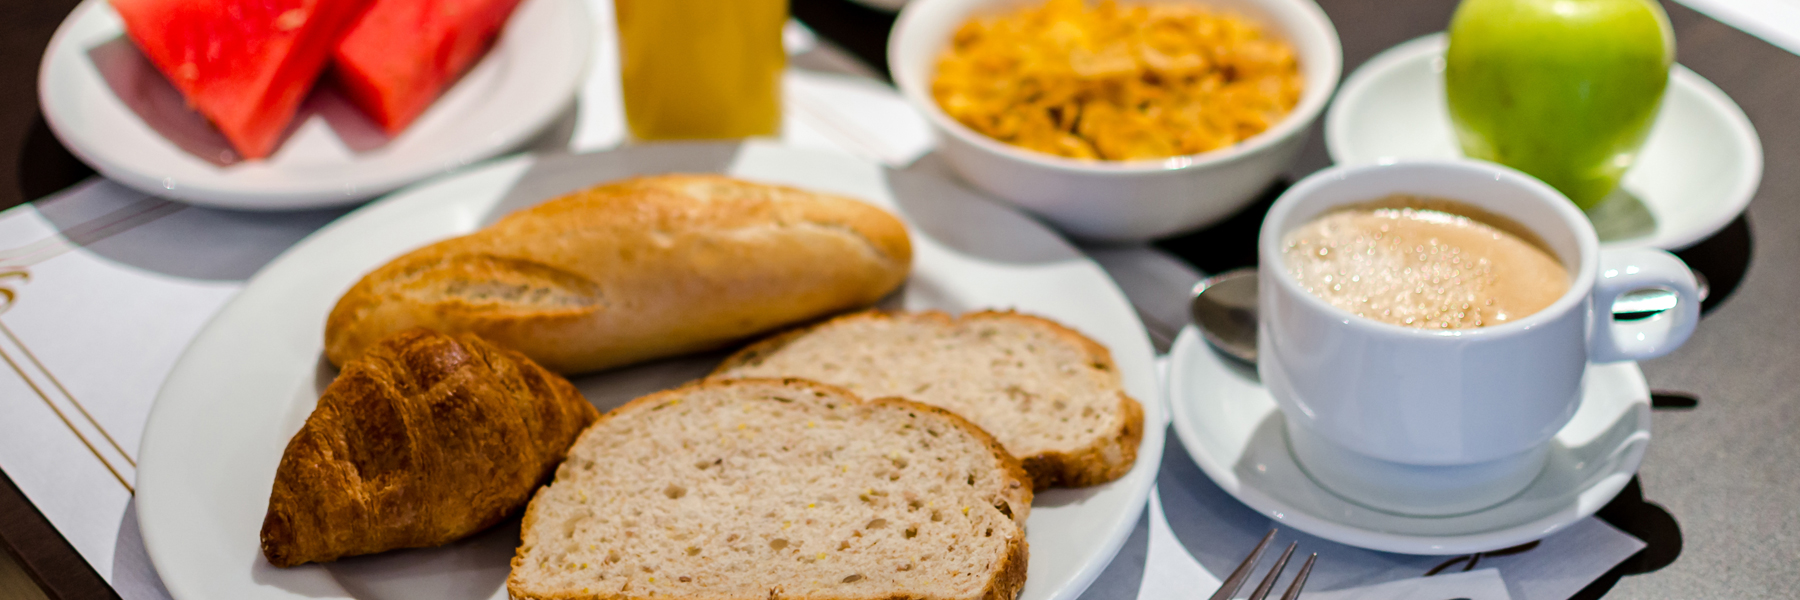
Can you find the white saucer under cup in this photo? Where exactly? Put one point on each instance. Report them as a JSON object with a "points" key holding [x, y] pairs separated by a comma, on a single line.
{"points": [[1437, 422], [1419, 490], [1233, 431]]}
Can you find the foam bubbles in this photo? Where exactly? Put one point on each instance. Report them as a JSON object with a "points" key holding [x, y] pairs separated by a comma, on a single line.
{"points": [[1414, 267]]}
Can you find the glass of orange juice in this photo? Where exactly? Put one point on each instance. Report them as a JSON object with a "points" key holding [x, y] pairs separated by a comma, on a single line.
{"points": [[696, 69]]}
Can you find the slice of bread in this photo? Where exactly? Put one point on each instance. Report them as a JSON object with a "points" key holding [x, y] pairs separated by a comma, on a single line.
{"points": [[1052, 396], [752, 489]]}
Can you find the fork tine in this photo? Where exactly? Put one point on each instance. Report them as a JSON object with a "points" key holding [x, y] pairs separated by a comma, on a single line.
{"points": [[1293, 591], [1236, 580], [1262, 589]]}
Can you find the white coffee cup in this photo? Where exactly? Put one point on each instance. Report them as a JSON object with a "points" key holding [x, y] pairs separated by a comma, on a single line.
{"points": [[1439, 422]]}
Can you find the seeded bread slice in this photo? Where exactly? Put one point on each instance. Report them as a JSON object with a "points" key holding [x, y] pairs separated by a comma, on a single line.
{"points": [[752, 489], [1052, 396]]}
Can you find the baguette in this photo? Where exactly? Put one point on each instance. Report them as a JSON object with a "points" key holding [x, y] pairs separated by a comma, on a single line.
{"points": [[1050, 394], [635, 270], [760, 488], [426, 439]]}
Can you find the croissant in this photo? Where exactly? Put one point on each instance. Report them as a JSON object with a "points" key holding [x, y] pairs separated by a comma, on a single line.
{"points": [[423, 440]]}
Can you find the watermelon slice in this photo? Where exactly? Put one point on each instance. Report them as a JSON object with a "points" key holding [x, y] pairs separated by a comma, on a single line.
{"points": [[402, 53], [244, 64]]}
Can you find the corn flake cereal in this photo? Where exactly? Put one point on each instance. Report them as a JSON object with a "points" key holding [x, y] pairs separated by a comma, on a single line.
{"points": [[1116, 82]]}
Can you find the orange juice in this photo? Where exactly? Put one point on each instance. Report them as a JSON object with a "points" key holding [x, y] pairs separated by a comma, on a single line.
{"points": [[701, 68]]}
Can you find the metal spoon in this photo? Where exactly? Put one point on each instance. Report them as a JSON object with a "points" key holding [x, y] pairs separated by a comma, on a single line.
{"points": [[1224, 309]]}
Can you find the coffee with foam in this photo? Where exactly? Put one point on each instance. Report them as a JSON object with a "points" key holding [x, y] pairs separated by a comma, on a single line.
{"points": [[1424, 262]]}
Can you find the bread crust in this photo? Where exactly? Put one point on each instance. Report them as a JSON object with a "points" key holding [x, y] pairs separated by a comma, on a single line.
{"points": [[642, 268], [1008, 578], [1109, 457], [426, 439]]}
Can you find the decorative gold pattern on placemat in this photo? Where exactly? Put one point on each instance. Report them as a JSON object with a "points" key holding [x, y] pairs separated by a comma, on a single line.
{"points": [[10, 278], [13, 273], [66, 394], [6, 286], [65, 419]]}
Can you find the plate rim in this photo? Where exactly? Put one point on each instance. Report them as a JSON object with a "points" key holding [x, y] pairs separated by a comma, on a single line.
{"points": [[1140, 479], [1429, 46], [1590, 498], [222, 190]]}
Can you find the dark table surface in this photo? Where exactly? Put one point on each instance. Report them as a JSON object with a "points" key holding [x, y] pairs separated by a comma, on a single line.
{"points": [[1718, 496]]}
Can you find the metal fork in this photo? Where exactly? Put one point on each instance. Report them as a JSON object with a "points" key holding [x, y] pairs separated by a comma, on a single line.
{"points": [[1236, 580]]}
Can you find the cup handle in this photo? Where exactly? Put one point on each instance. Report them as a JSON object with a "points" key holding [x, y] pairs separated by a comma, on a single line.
{"points": [[1628, 270]]}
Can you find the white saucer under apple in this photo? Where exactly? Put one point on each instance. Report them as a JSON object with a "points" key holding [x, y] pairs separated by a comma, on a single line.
{"points": [[1233, 430], [118, 114], [1696, 173]]}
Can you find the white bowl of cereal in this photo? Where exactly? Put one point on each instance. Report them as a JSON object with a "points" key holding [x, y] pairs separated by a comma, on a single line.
{"points": [[1123, 122]]}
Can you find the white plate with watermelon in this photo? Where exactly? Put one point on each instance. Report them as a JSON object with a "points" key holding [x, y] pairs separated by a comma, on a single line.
{"points": [[104, 97]]}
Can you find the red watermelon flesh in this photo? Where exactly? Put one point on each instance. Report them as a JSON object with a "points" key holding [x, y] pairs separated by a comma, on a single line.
{"points": [[402, 53], [244, 64]]}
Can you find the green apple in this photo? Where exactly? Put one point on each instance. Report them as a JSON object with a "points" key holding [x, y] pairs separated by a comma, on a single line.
{"points": [[1564, 90]]}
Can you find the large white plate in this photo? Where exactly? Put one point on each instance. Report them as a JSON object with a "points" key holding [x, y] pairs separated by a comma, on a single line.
{"points": [[251, 377], [1696, 172], [111, 107], [1233, 430]]}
